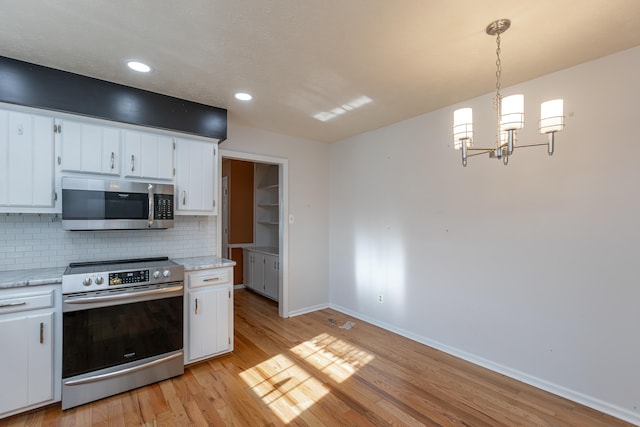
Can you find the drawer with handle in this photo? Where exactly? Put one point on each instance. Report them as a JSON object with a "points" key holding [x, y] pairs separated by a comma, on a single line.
{"points": [[217, 276], [13, 303]]}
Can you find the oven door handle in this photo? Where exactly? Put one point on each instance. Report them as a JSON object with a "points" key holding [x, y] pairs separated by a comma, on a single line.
{"points": [[125, 295], [121, 372]]}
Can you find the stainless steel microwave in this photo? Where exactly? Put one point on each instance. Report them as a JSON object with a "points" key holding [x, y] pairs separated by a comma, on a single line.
{"points": [[95, 204]]}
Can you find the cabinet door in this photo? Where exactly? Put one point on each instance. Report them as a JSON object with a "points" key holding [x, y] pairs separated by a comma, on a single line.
{"points": [[110, 160], [209, 321], [148, 155], [13, 364], [27, 151], [247, 268], [71, 147], [132, 153], [258, 271], [90, 148], [196, 167], [26, 361], [271, 280], [40, 348]]}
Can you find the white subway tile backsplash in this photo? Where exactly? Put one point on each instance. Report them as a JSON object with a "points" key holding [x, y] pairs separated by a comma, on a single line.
{"points": [[38, 241]]}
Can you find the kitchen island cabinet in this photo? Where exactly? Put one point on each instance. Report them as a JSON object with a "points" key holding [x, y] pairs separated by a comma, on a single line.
{"points": [[30, 358]]}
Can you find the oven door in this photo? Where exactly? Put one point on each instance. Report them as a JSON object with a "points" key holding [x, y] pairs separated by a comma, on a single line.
{"points": [[115, 327]]}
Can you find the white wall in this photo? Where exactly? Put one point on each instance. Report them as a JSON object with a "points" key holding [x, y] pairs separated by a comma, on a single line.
{"points": [[529, 269], [309, 202], [30, 241]]}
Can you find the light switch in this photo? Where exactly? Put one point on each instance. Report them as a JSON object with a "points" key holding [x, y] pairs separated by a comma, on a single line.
{"points": [[291, 219]]}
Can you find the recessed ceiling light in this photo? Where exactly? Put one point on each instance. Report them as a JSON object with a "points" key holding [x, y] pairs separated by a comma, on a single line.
{"points": [[139, 66], [242, 96]]}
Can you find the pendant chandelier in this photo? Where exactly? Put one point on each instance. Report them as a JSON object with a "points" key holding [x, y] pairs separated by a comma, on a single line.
{"points": [[509, 116]]}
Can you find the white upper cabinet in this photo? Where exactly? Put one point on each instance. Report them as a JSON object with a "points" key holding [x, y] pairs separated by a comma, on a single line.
{"points": [[196, 177], [148, 155], [26, 163], [36, 150], [89, 148]]}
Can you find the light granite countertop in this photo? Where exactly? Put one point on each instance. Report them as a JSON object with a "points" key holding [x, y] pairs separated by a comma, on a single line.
{"points": [[53, 276], [34, 277], [204, 262]]}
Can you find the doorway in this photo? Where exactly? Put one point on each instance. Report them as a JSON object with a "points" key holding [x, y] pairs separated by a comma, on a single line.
{"points": [[267, 214]]}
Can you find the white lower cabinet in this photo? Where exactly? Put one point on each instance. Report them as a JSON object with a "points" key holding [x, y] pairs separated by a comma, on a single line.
{"points": [[208, 313], [28, 361], [271, 270], [261, 272], [247, 267]]}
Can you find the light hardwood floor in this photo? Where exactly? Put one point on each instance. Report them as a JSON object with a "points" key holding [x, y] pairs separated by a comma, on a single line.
{"points": [[306, 370]]}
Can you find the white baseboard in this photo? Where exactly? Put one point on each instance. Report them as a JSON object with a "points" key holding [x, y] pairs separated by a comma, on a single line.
{"points": [[241, 286], [556, 389], [308, 310]]}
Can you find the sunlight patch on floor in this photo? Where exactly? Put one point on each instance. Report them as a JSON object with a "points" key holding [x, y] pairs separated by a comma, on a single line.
{"points": [[332, 356], [284, 386], [288, 389]]}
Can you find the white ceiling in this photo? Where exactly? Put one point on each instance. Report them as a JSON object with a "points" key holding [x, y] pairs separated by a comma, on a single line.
{"points": [[302, 57]]}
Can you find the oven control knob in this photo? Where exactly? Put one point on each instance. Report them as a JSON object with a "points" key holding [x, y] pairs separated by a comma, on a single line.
{"points": [[166, 273], [87, 281], [156, 274], [99, 280]]}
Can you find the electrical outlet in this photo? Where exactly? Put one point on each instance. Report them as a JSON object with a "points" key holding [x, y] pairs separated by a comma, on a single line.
{"points": [[380, 298]]}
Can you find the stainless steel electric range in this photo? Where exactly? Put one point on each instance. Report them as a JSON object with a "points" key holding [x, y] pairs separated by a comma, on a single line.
{"points": [[122, 326]]}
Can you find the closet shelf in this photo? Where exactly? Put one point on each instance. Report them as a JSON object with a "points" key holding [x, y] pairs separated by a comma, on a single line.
{"points": [[269, 187]]}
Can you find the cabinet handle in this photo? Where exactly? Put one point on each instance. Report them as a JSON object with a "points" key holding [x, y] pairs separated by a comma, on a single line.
{"points": [[184, 197], [196, 305], [59, 160], [41, 333], [12, 304], [213, 279], [133, 165], [113, 160]]}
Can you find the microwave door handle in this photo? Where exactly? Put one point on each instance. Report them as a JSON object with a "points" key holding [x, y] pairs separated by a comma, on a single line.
{"points": [[151, 205]]}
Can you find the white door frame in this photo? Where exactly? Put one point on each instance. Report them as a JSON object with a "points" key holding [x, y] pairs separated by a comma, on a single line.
{"points": [[283, 234], [225, 217]]}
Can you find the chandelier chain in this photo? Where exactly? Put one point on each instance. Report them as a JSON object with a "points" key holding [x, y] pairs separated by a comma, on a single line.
{"points": [[498, 84], [498, 64]]}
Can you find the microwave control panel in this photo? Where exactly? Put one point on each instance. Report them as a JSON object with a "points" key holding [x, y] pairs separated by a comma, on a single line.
{"points": [[163, 206]]}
